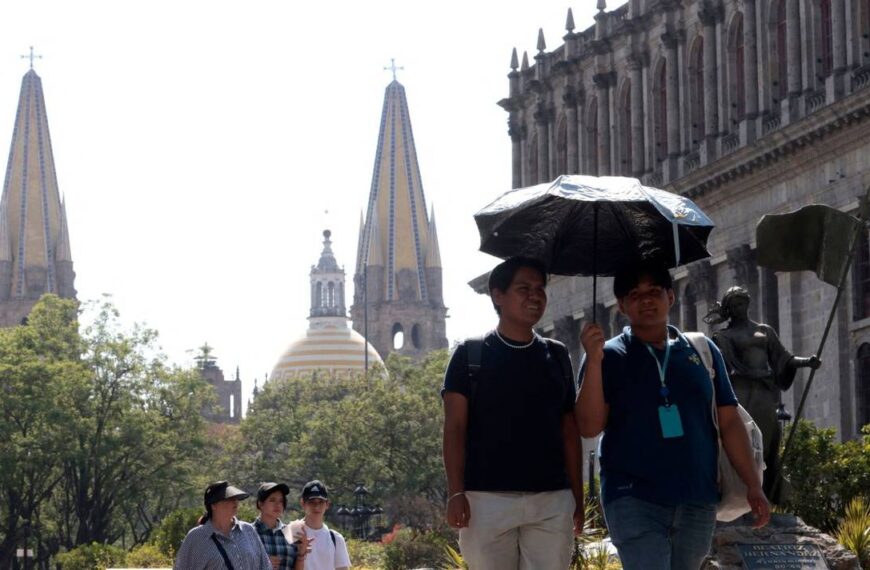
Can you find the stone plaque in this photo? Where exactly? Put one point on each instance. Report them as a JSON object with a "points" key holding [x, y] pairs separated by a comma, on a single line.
{"points": [[782, 557]]}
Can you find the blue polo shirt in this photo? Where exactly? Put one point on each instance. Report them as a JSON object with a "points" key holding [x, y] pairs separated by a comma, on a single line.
{"points": [[635, 459]]}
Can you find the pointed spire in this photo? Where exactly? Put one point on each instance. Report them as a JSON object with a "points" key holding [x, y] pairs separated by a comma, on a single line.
{"points": [[514, 61], [602, 5], [374, 256], [569, 24], [360, 242], [5, 243], [237, 373], [542, 45], [327, 260], [525, 64], [433, 252], [63, 251]]}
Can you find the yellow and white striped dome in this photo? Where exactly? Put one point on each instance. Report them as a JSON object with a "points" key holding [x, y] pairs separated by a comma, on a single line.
{"points": [[335, 350]]}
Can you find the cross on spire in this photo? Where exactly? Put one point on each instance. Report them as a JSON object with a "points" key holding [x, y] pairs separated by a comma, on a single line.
{"points": [[393, 68], [31, 57]]}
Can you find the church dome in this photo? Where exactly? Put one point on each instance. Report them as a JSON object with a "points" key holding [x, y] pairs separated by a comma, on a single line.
{"points": [[336, 351]]}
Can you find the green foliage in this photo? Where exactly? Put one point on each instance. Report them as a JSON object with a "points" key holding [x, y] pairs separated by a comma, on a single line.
{"points": [[365, 555], [99, 437], [825, 475], [854, 530], [412, 549], [93, 556], [169, 534], [384, 431], [148, 556]]}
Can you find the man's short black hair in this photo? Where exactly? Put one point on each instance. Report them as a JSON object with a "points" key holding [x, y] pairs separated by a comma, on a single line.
{"points": [[628, 278], [503, 274]]}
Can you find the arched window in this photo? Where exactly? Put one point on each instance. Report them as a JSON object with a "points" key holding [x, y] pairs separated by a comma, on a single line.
{"points": [[780, 70], [416, 335], [562, 148], [318, 294], [696, 95], [863, 386], [398, 335], [592, 138], [826, 39], [738, 72], [330, 294], [661, 115], [625, 137], [532, 158], [861, 280]]}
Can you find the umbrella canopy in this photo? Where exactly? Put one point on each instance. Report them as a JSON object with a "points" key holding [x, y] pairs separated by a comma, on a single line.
{"points": [[590, 225]]}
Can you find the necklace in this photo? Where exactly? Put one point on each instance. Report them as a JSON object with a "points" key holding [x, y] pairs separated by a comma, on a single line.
{"points": [[530, 343]]}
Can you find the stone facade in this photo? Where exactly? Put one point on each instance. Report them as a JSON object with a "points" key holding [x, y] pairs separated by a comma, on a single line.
{"points": [[228, 407], [746, 106]]}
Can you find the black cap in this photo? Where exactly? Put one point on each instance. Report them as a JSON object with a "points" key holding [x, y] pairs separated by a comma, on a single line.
{"points": [[267, 489], [222, 490], [315, 490]]}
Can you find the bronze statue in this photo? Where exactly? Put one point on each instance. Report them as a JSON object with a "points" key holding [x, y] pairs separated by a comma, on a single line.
{"points": [[760, 369]]}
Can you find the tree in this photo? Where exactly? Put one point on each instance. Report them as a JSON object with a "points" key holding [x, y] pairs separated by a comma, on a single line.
{"points": [[384, 431]]}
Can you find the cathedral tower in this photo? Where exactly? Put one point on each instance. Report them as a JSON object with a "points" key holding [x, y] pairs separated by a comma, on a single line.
{"points": [[35, 255], [398, 301]]}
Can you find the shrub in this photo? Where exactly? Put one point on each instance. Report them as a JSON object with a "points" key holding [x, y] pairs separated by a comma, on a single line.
{"points": [[825, 475], [364, 554], [410, 549], [94, 556], [854, 530], [148, 556], [173, 528]]}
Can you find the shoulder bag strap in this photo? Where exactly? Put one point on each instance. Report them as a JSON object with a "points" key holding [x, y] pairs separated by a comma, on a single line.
{"points": [[474, 358], [701, 346], [222, 551]]}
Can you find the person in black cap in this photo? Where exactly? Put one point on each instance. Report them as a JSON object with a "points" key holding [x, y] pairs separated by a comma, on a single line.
{"points": [[284, 554], [221, 540], [328, 549]]}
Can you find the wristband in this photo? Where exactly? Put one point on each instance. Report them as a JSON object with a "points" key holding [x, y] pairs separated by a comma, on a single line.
{"points": [[454, 495]]}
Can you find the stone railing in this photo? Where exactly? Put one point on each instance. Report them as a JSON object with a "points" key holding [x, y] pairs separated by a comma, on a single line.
{"points": [[691, 162], [653, 179], [730, 142], [772, 123], [861, 78], [815, 100]]}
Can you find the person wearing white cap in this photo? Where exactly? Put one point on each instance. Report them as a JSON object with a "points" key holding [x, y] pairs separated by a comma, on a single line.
{"points": [[221, 541]]}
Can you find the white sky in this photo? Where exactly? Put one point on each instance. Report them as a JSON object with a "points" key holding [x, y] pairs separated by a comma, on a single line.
{"points": [[198, 145]]}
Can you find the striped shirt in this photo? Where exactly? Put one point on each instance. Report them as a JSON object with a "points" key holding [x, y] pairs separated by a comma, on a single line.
{"points": [[276, 544], [243, 547]]}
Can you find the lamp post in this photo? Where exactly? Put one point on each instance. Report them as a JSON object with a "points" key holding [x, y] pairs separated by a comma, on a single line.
{"points": [[361, 517]]}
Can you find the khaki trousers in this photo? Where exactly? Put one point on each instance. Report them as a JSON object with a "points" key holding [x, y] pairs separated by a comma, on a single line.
{"points": [[519, 531]]}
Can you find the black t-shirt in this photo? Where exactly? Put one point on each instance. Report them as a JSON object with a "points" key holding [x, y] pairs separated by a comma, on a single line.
{"points": [[514, 440]]}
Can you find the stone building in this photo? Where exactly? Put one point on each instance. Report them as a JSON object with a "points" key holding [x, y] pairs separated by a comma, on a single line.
{"points": [[35, 256], [228, 407], [329, 346], [398, 303], [746, 106]]}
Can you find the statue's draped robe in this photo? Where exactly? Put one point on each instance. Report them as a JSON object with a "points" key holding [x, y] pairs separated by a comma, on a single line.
{"points": [[758, 387]]}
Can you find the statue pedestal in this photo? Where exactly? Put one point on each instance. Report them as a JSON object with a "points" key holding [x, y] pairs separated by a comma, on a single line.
{"points": [[786, 543]]}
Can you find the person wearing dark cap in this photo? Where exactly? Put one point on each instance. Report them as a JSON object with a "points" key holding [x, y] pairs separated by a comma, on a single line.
{"points": [[284, 554], [221, 540], [328, 549]]}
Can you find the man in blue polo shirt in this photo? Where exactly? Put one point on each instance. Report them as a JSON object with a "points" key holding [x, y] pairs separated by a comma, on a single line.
{"points": [[511, 447], [649, 392]]}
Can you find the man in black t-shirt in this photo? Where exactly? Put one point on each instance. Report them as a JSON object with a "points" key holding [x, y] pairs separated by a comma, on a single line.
{"points": [[511, 447]]}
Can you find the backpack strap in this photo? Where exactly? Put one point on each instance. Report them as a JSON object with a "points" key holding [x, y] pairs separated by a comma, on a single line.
{"points": [[222, 551], [332, 536], [701, 345], [474, 358]]}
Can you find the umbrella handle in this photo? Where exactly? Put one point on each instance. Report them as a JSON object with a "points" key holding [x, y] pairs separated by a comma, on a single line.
{"points": [[595, 261]]}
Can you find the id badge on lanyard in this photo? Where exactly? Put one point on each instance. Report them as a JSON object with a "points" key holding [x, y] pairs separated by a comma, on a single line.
{"points": [[669, 414]]}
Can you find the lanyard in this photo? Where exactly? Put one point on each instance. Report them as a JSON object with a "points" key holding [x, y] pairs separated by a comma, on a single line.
{"points": [[662, 368]]}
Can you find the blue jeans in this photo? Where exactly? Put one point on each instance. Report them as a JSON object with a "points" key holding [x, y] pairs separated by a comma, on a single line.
{"points": [[649, 536]]}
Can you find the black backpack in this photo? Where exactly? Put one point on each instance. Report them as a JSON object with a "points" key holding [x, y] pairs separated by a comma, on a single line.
{"points": [[474, 352]]}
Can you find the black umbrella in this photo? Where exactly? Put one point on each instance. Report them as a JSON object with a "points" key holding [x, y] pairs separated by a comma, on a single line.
{"points": [[588, 225]]}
